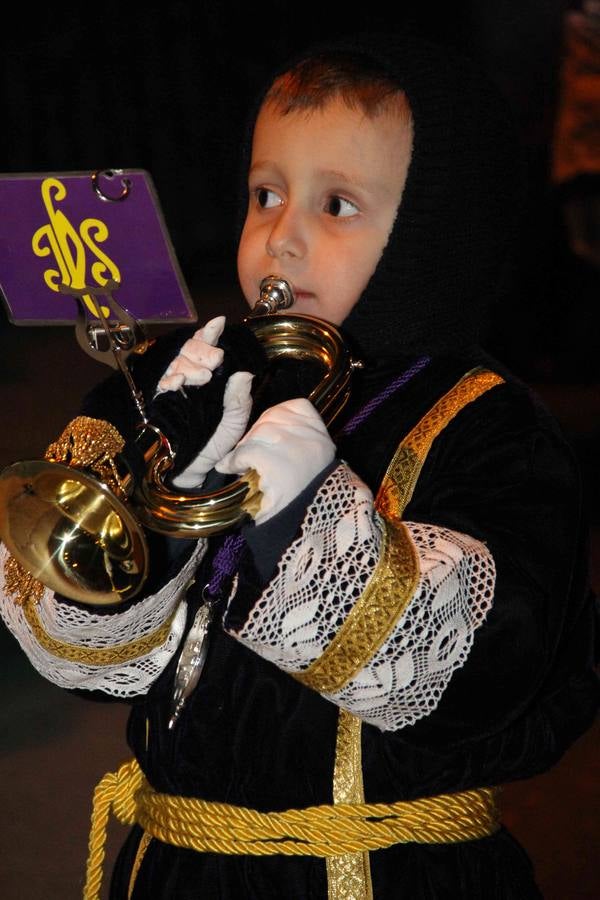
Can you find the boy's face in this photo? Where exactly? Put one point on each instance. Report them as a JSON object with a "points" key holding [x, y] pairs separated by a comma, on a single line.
{"points": [[324, 187]]}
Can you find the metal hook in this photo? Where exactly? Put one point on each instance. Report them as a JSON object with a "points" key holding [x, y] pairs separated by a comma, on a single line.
{"points": [[122, 338], [110, 173]]}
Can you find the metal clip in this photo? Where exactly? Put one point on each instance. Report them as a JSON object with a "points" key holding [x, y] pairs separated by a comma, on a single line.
{"points": [[105, 341]]}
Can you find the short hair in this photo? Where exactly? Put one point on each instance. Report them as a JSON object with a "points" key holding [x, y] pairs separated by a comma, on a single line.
{"points": [[361, 84]]}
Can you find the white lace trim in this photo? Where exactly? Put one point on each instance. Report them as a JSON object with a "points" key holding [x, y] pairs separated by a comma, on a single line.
{"points": [[324, 572], [319, 577], [85, 628], [406, 678]]}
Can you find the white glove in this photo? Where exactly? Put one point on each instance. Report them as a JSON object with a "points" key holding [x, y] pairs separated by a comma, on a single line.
{"points": [[194, 365], [237, 404], [197, 359], [288, 446]]}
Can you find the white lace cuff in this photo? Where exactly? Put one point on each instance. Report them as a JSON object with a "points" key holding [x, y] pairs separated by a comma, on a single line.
{"points": [[119, 653], [374, 616]]}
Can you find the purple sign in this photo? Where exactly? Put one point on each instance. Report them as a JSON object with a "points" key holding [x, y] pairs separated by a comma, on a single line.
{"points": [[67, 232]]}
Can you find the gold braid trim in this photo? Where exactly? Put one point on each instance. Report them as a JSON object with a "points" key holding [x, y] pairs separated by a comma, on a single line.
{"points": [[348, 876], [85, 443], [323, 831], [401, 477], [95, 656], [372, 618]]}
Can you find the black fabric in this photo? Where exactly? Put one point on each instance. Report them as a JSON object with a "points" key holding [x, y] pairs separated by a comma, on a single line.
{"points": [[253, 736], [452, 238], [491, 869]]}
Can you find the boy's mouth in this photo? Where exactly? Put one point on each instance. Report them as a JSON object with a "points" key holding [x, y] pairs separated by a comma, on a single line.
{"points": [[300, 294]]}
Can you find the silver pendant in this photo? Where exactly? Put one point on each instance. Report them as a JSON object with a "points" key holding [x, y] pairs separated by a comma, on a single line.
{"points": [[191, 662]]}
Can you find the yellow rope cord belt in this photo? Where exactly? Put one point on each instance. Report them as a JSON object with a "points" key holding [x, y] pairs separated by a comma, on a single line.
{"points": [[325, 831]]}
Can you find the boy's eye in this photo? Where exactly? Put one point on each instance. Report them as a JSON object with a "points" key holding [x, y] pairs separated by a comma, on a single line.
{"points": [[267, 199], [340, 208]]}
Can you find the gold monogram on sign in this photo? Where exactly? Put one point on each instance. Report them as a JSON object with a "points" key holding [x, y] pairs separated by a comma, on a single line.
{"points": [[71, 248]]}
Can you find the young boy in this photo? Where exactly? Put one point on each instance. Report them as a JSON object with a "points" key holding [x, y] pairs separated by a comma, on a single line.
{"points": [[404, 654]]}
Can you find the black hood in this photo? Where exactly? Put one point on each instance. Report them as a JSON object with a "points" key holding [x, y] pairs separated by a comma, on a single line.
{"points": [[448, 251]]}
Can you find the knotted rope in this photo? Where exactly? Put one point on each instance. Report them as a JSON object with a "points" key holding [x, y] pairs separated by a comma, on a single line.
{"points": [[325, 831]]}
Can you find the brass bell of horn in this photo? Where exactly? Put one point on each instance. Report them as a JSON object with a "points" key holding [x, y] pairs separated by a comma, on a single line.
{"points": [[80, 530]]}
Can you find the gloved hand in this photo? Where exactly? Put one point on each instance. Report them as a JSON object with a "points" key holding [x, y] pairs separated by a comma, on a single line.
{"points": [[237, 404], [194, 366], [196, 360], [288, 446]]}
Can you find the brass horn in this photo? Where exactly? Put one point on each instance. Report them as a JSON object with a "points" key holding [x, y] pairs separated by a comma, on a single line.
{"points": [[79, 530]]}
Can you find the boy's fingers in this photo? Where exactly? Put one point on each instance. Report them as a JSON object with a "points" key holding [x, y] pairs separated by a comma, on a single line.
{"points": [[237, 391], [233, 463], [170, 383], [194, 373], [212, 331], [198, 351], [196, 360], [237, 404]]}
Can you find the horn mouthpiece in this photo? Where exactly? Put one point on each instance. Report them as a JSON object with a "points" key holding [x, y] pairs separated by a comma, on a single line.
{"points": [[275, 294]]}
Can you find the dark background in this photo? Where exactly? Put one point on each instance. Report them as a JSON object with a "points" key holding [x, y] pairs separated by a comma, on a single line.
{"points": [[166, 88]]}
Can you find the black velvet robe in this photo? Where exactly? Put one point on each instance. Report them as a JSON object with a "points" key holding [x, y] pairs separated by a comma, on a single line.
{"points": [[252, 735]]}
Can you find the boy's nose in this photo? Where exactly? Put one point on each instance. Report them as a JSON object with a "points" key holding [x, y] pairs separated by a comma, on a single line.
{"points": [[286, 238]]}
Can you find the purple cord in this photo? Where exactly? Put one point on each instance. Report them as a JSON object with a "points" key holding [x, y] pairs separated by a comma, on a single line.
{"points": [[225, 563], [374, 402]]}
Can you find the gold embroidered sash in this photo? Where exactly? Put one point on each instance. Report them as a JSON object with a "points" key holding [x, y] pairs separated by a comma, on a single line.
{"points": [[348, 876]]}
